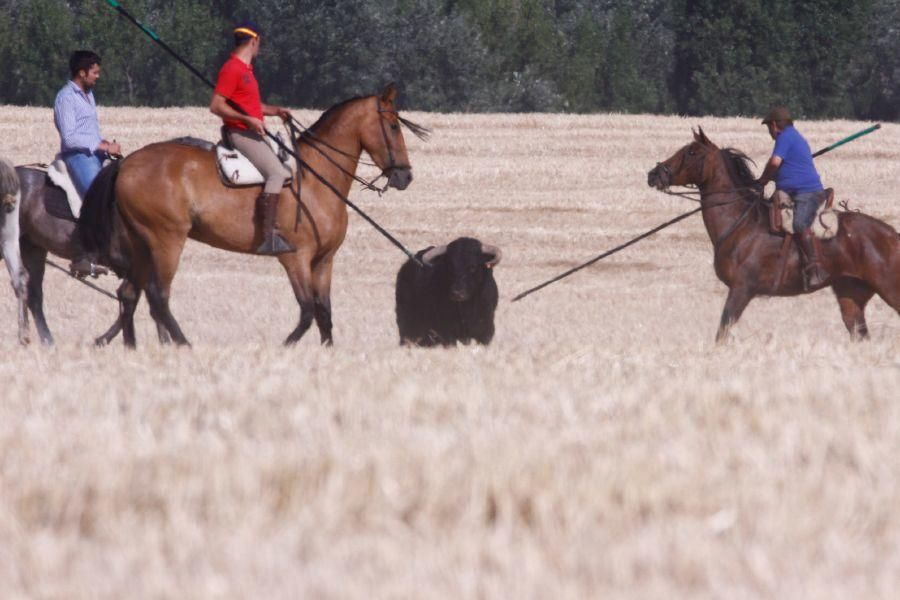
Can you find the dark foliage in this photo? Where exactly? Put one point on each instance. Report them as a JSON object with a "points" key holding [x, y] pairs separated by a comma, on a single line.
{"points": [[823, 58]]}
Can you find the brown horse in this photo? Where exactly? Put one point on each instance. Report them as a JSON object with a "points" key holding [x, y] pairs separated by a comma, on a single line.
{"points": [[863, 259], [141, 211]]}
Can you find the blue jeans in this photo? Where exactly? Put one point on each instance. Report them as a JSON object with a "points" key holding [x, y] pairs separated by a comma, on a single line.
{"points": [[805, 206], [83, 168]]}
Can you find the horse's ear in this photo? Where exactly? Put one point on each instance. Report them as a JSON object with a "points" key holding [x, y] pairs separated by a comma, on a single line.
{"points": [[389, 94], [701, 137]]}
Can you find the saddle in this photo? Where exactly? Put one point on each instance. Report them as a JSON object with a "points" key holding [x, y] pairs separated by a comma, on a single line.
{"points": [[236, 170], [781, 216]]}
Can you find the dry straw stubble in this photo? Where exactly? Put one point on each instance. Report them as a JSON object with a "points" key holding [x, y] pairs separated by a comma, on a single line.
{"points": [[602, 446]]}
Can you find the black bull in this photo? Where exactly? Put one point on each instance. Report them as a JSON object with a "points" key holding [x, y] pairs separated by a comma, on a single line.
{"points": [[452, 298]]}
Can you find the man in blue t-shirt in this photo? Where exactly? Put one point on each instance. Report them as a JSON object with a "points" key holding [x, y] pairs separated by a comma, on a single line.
{"points": [[791, 166]]}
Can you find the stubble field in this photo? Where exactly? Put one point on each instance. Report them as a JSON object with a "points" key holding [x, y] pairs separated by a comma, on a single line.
{"points": [[602, 446]]}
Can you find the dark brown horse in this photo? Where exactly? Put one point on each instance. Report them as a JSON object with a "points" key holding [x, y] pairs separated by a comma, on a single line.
{"points": [[141, 211], [863, 259], [46, 226]]}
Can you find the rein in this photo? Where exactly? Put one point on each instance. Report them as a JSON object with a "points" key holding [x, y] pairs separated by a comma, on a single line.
{"points": [[302, 164], [751, 204], [307, 136], [691, 193], [298, 136], [300, 133]]}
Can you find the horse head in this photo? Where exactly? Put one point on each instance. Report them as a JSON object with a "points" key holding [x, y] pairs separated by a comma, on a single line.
{"points": [[688, 166], [382, 138]]}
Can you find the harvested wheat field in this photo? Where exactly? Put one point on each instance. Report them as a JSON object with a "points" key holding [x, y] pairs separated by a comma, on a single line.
{"points": [[602, 446]]}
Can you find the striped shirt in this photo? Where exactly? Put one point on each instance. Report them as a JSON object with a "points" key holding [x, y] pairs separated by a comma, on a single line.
{"points": [[75, 117]]}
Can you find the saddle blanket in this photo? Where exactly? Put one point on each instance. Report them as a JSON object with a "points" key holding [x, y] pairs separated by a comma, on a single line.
{"points": [[825, 223], [237, 170]]}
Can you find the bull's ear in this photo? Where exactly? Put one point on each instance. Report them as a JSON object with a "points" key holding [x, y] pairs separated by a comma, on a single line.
{"points": [[491, 254], [389, 94]]}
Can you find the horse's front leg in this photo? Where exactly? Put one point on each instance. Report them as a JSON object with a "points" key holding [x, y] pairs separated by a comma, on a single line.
{"points": [[12, 254], [738, 299], [18, 277], [322, 299], [35, 259], [299, 273]]}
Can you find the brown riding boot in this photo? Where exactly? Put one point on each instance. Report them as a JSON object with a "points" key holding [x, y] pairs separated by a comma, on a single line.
{"points": [[814, 274], [273, 243]]}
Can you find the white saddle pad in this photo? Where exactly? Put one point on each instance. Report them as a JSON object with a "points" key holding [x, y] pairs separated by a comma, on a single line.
{"points": [[59, 175], [237, 170]]}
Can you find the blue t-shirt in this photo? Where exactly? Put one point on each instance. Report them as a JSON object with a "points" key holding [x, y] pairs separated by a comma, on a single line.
{"points": [[797, 174]]}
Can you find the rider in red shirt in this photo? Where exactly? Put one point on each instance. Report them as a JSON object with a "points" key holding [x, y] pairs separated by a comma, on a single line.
{"points": [[237, 100]]}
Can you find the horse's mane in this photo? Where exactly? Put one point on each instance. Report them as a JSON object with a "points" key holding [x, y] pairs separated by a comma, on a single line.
{"points": [[738, 166], [419, 131], [195, 142], [325, 116]]}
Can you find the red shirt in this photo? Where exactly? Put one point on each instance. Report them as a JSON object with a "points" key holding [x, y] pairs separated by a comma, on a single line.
{"points": [[237, 83]]}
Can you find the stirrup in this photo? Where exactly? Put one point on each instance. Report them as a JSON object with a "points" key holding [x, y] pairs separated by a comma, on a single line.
{"points": [[84, 267], [273, 245], [814, 276]]}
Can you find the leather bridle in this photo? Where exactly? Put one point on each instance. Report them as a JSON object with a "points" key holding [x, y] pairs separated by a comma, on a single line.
{"points": [[737, 223], [306, 135], [392, 163]]}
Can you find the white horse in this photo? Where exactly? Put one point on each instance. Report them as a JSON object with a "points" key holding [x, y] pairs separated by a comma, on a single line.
{"points": [[10, 197]]}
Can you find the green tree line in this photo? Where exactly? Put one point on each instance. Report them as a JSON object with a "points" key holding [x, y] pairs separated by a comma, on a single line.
{"points": [[822, 58]]}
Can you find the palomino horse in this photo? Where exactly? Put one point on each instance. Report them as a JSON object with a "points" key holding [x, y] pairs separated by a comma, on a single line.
{"points": [[863, 259], [10, 201], [141, 210]]}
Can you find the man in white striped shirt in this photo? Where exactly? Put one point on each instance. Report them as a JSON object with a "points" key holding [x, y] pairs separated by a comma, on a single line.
{"points": [[75, 115], [82, 147]]}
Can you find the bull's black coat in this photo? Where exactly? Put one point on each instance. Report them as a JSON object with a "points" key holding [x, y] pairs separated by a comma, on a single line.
{"points": [[451, 300]]}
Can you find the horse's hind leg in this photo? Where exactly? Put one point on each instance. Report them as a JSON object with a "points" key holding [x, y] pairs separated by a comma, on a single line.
{"points": [[888, 288], [852, 296], [165, 253], [737, 301], [128, 294], [159, 253], [166, 325], [35, 259], [128, 301]]}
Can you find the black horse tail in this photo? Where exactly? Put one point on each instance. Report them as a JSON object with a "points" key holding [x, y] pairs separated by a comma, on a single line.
{"points": [[97, 221]]}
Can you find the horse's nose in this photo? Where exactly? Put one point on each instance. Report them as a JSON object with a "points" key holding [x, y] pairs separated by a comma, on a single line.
{"points": [[400, 178], [656, 178]]}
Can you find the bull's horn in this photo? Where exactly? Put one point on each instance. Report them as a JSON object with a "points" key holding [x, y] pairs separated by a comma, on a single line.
{"points": [[433, 254], [493, 251]]}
